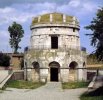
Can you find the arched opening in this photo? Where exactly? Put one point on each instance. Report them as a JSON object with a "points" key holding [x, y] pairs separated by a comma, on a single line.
{"points": [[36, 66], [73, 65], [72, 71], [54, 70]]}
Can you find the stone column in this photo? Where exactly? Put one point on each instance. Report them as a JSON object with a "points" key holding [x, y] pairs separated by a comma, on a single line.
{"points": [[39, 18], [64, 18], [80, 73], [51, 18]]}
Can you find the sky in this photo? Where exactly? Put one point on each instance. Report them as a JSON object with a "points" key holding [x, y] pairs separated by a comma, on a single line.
{"points": [[22, 12]]}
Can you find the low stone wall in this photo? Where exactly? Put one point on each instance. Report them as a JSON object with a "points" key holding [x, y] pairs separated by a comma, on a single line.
{"points": [[3, 68], [90, 75], [18, 75], [3, 75]]}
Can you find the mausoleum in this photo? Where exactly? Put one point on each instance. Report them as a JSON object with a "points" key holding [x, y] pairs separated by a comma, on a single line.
{"points": [[55, 53]]}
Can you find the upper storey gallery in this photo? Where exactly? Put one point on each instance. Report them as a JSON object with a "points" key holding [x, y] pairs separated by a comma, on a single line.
{"points": [[55, 28]]}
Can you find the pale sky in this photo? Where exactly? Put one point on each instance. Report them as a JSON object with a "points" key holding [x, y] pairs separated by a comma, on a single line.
{"points": [[22, 12]]}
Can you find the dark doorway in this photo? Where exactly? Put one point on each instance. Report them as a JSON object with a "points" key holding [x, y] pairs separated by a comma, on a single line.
{"points": [[54, 74], [54, 42]]}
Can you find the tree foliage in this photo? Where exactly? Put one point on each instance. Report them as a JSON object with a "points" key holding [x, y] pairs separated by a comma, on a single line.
{"points": [[16, 33], [4, 60], [96, 27]]}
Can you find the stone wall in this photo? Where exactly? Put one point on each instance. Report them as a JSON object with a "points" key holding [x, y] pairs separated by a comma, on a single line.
{"points": [[64, 58], [41, 37], [67, 49]]}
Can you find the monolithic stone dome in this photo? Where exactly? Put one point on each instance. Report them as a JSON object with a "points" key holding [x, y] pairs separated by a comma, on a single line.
{"points": [[57, 18]]}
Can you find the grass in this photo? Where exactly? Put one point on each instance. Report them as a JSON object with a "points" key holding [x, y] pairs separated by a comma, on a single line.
{"points": [[94, 95], [74, 85], [35, 20], [0, 91], [20, 84], [92, 98], [45, 18]]}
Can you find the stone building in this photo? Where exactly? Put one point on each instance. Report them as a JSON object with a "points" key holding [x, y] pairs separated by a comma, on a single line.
{"points": [[55, 53], [17, 61]]}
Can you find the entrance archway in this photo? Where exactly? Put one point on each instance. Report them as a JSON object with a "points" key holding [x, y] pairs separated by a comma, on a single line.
{"points": [[54, 71]]}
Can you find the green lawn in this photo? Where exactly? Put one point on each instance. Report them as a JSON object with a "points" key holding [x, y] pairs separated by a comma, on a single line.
{"points": [[20, 84], [0, 91], [94, 95], [73, 85]]}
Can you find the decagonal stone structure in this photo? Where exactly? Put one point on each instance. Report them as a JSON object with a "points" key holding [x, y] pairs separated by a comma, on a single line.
{"points": [[55, 53]]}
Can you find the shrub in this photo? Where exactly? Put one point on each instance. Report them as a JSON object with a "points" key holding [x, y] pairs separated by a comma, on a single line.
{"points": [[4, 60]]}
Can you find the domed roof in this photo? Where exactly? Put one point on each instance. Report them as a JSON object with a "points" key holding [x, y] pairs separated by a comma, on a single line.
{"points": [[58, 18]]}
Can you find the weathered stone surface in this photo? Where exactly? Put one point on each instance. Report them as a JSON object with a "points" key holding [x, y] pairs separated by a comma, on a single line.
{"points": [[68, 51]]}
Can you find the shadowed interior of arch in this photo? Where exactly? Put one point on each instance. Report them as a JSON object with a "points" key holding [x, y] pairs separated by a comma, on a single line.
{"points": [[73, 72], [73, 65], [54, 70], [36, 66]]}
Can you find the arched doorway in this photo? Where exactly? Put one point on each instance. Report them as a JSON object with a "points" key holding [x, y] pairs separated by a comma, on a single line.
{"points": [[54, 71], [72, 71]]}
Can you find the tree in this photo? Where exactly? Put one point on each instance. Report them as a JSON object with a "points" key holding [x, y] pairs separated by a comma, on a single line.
{"points": [[96, 27], [16, 33]]}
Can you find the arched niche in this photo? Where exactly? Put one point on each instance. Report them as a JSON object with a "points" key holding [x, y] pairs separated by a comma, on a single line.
{"points": [[73, 65], [73, 71], [36, 66]]}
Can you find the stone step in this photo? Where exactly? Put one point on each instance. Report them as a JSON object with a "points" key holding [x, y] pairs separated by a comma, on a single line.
{"points": [[96, 82], [53, 86], [3, 75], [91, 85], [5, 80]]}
